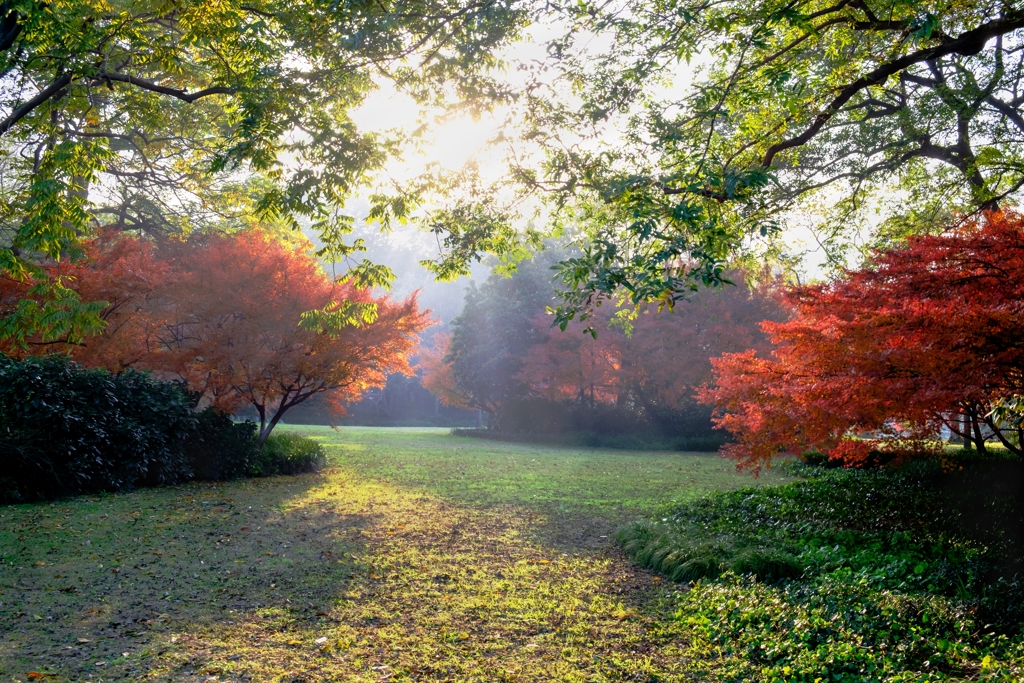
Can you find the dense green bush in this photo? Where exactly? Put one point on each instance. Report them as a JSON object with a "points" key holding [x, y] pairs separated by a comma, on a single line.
{"points": [[915, 574], [287, 453], [220, 448], [66, 430]]}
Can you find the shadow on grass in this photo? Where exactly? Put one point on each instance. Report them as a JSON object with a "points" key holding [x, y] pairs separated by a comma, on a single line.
{"points": [[390, 567], [88, 581]]}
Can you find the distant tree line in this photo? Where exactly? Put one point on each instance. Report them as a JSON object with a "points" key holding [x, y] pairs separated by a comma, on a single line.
{"points": [[636, 377]]}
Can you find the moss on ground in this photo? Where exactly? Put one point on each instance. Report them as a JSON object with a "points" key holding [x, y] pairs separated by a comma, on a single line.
{"points": [[415, 556]]}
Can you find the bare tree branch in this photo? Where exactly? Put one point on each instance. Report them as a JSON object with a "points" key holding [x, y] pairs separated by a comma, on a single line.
{"points": [[47, 93]]}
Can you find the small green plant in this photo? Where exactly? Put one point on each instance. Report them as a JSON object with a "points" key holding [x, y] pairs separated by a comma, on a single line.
{"points": [[288, 453]]}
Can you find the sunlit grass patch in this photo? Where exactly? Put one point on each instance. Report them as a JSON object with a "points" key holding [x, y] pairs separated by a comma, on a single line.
{"points": [[405, 560]]}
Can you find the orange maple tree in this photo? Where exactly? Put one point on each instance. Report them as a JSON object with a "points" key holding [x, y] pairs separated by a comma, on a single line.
{"points": [[926, 337], [438, 378], [233, 328], [223, 313], [121, 271]]}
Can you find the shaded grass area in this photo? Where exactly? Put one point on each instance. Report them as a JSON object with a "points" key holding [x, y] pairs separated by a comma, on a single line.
{"points": [[864, 576], [415, 556], [698, 444]]}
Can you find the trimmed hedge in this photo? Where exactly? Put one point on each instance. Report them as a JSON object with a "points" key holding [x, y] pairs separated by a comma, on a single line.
{"points": [[285, 453], [68, 430]]}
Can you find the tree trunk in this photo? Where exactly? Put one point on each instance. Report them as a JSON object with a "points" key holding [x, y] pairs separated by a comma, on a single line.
{"points": [[979, 439]]}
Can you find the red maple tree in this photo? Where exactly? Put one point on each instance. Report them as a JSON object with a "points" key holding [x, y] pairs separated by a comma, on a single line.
{"points": [[925, 337]]}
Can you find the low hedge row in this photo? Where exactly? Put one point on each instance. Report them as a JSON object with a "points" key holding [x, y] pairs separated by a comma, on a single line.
{"points": [[67, 430]]}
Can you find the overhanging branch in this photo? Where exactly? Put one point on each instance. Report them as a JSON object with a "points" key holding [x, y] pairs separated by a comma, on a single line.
{"points": [[44, 95], [176, 93], [968, 43]]}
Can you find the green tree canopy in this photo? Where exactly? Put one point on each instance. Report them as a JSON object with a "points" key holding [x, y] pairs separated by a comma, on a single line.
{"points": [[676, 132], [154, 114], [492, 335]]}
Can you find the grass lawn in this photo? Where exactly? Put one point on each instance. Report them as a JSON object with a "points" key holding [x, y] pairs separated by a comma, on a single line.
{"points": [[416, 556]]}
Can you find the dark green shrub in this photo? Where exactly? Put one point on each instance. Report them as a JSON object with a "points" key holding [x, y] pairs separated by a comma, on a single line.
{"points": [[65, 429], [220, 448], [286, 453]]}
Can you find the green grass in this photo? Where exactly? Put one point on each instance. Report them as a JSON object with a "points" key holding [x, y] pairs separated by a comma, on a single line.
{"points": [[415, 556]]}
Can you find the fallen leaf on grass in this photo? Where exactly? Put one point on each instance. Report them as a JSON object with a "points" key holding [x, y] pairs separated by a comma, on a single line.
{"points": [[294, 642], [36, 674]]}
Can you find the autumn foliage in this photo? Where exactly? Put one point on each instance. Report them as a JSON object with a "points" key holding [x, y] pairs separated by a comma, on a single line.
{"points": [[659, 359], [223, 314], [652, 365], [927, 336]]}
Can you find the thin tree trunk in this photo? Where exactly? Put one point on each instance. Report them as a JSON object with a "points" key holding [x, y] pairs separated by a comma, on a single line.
{"points": [[979, 440]]}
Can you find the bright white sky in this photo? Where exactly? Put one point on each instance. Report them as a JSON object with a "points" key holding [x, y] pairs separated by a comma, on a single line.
{"points": [[462, 140]]}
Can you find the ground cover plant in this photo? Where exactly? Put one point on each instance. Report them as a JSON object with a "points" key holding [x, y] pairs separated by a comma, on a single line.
{"points": [[415, 556], [916, 574]]}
